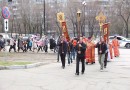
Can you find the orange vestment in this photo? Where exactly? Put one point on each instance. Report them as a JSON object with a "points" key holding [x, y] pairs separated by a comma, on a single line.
{"points": [[90, 52], [115, 45]]}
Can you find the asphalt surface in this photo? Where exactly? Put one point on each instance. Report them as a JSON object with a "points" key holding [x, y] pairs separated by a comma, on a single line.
{"points": [[52, 77]]}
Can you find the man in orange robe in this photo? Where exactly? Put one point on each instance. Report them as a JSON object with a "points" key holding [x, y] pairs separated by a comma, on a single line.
{"points": [[115, 45], [90, 51]]}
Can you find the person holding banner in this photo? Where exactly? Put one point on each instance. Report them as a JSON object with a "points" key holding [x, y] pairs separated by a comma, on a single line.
{"points": [[80, 48], [90, 51], [115, 45], [62, 50]]}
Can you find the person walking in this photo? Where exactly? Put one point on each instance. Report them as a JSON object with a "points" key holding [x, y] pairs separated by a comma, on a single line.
{"points": [[2, 43], [115, 44], [40, 45], [62, 50], [29, 44], [34, 43], [102, 49], [90, 51], [46, 41], [106, 56], [12, 45], [20, 44], [74, 42], [57, 46], [80, 49], [69, 51]]}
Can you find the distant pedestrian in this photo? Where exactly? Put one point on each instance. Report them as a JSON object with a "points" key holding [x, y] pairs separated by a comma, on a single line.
{"points": [[80, 49], [2, 43], [40, 45], [46, 41], [52, 44], [20, 44], [57, 47], [34, 43], [12, 44], [24, 46], [29, 44]]}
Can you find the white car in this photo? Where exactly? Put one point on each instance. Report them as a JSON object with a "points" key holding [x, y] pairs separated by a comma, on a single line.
{"points": [[124, 42]]}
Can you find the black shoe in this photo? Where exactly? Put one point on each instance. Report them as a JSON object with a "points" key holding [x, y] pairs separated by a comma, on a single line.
{"points": [[104, 66], [76, 73], [82, 72], [86, 63], [101, 68], [63, 67]]}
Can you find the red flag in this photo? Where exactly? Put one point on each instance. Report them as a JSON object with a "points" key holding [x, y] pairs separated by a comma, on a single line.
{"points": [[106, 32], [65, 31]]}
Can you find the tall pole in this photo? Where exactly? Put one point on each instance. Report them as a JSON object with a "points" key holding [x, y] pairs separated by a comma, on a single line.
{"points": [[84, 22], [44, 18], [84, 6], [78, 18]]}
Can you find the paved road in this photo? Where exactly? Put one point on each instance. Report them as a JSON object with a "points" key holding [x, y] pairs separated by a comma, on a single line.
{"points": [[51, 77]]}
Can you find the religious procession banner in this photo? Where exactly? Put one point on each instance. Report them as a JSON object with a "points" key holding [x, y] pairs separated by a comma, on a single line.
{"points": [[60, 17], [65, 31], [105, 28]]}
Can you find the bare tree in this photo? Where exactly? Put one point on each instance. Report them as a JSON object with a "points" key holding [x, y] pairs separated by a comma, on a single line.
{"points": [[124, 12]]}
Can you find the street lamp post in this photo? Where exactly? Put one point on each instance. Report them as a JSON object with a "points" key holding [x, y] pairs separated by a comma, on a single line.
{"points": [[44, 17], [78, 19], [84, 5]]}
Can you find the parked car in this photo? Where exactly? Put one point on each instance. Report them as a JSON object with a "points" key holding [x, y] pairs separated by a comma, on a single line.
{"points": [[124, 42]]}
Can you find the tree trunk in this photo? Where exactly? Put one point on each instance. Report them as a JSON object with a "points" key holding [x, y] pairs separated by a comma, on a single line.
{"points": [[127, 30]]}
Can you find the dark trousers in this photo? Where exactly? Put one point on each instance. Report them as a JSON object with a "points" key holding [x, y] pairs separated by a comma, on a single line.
{"points": [[77, 64], [46, 48], [63, 59], [105, 61], [69, 54], [39, 48], [20, 48], [29, 47], [12, 46], [58, 56], [25, 48]]}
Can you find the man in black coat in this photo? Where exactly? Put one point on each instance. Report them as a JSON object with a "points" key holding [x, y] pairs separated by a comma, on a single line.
{"points": [[62, 50], [102, 50], [80, 49]]}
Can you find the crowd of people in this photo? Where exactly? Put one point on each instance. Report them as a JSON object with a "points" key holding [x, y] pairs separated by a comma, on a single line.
{"points": [[80, 49], [83, 50], [31, 44]]}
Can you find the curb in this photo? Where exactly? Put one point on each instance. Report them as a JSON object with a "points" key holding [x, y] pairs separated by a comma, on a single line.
{"points": [[22, 66]]}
